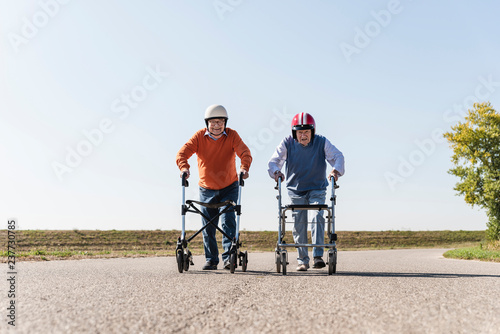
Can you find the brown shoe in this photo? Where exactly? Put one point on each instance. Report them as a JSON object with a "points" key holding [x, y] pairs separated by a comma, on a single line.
{"points": [[303, 267]]}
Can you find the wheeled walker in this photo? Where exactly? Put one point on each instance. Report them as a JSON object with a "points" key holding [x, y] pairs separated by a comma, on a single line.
{"points": [[183, 254], [281, 253]]}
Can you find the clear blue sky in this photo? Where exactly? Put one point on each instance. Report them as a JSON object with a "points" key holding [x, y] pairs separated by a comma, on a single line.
{"points": [[126, 83]]}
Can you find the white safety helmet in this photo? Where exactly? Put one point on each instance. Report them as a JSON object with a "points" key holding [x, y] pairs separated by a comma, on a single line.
{"points": [[216, 111]]}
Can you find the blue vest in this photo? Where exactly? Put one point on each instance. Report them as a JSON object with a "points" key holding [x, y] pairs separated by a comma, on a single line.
{"points": [[306, 165]]}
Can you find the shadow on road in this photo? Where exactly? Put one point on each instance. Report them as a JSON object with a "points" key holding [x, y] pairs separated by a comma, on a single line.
{"points": [[413, 275], [342, 273], [256, 273]]}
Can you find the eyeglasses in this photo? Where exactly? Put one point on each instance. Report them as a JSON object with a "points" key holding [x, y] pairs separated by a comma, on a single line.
{"points": [[214, 122]]}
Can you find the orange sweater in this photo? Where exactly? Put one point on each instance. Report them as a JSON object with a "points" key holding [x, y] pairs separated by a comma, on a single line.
{"points": [[216, 158]]}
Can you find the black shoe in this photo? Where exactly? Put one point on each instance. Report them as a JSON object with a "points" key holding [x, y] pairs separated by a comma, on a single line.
{"points": [[210, 266], [318, 262]]}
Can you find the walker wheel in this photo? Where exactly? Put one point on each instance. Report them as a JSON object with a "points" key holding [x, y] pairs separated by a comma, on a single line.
{"points": [[244, 262], [179, 255], [283, 262], [278, 262], [232, 262], [186, 262], [332, 262]]}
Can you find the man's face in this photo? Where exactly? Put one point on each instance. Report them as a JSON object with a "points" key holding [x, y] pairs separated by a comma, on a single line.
{"points": [[216, 126], [304, 137]]}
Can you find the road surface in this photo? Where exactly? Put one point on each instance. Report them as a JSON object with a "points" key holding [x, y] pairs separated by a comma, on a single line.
{"points": [[388, 291]]}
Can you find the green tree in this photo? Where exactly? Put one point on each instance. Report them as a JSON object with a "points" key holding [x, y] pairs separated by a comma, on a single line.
{"points": [[476, 156]]}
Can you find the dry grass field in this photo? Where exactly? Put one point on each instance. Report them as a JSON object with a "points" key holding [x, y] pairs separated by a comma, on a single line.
{"points": [[45, 245]]}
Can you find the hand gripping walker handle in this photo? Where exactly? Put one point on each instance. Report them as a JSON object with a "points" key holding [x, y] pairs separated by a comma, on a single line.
{"points": [[278, 183], [185, 182], [240, 181]]}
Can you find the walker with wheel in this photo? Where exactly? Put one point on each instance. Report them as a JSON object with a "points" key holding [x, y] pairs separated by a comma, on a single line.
{"points": [[183, 254], [281, 253]]}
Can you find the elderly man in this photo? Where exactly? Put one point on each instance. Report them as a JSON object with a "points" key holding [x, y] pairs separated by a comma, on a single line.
{"points": [[216, 147], [306, 154]]}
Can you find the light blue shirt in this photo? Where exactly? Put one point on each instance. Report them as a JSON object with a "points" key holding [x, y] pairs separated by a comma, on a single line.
{"points": [[208, 134]]}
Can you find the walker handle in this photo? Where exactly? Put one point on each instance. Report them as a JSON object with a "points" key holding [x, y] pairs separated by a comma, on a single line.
{"points": [[278, 183], [185, 182], [240, 181]]}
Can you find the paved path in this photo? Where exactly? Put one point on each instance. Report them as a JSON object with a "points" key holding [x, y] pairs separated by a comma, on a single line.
{"points": [[390, 291]]}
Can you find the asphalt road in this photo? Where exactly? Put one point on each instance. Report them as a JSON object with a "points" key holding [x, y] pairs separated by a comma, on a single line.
{"points": [[390, 291]]}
